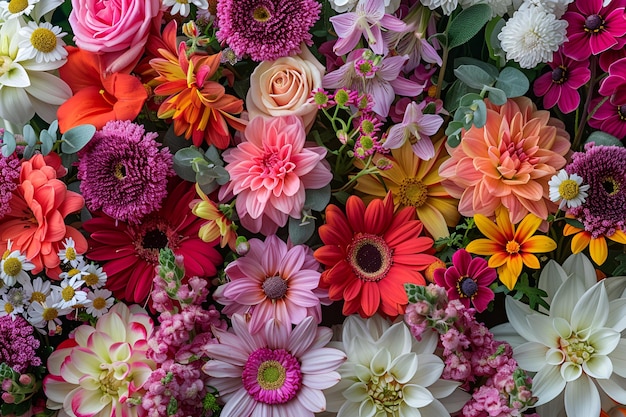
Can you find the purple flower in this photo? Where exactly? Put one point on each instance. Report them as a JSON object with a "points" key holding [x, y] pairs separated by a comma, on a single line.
{"points": [[266, 29], [375, 75], [123, 172], [18, 346], [604, 169], [367, 19], [594, 28], [468, 279], [9, 175], [560, 85], [417, 128]]}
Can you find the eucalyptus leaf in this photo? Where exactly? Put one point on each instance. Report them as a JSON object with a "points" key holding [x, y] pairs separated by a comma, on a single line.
{"points": [[604, 139], [76, 138], [29, 151], [214, 156], [209, 187], [47, 142], [473, 76], [53, 128], [485, 66], [453, 97], [29, 135], [317, 199], [299, 233], [186, 172], [8, 144], [469, 99], [185, 156], [513, 82], [493, 28], [467, 24], [480, 113], [496, 96]]}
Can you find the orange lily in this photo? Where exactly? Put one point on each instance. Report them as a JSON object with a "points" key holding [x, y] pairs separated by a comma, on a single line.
{"points": [[598, 248], [510, 249]]}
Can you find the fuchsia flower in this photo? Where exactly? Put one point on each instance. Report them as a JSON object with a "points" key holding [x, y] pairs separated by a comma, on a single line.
{"points": [[608, 118], [276, 372], [467, 280], [368, 19], [273, 280], [560, 86], [417, 128], [614, 86], [594, 28], [375, 75]]}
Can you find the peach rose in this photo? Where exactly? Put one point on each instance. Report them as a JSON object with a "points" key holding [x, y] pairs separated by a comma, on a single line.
{"points": [[282, 87], [117, 30]]}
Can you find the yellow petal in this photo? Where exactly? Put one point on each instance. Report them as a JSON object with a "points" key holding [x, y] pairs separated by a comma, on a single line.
{"points": [[433, 221], [483, 247], [527, 227], [538, 244], [598, 250], [489, 229], [619, 236], [530, 260], [580, 241], [498, 259], [504, 223], [506, 277]]}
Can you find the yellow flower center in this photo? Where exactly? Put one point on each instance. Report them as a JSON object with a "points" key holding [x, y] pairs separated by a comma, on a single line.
{"points": [[99, 303], [512, 247], [12, 267], [49, 313], [109, 384], [568, 189], [70, 254], [68, 293], [37, 296], [16, 6], [412, 192], [119, 171], [610, 185], [44, 40], [271, 375], [261, 14], [575, 350], [91, 279], [73, 272], [8, 307], [386, 393]]}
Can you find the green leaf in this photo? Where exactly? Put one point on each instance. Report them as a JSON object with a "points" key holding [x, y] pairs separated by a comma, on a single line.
{"points": [[76, 138], [186, 172], [453, 97], [467, 24], [29, 135], [604, 139], [468, 60], [47, 142], [8, 144], [493, 28], [473, 76], [496, 96], [513, 82], [299, 233], [29, 151], [468, 99], [185, 156], [317, 199], [480, 114], [573, 222], [535, 295], [214, 156]]}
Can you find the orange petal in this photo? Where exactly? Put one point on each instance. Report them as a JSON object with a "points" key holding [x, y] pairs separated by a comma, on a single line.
{"points": [[490, 229], [598, 250], [538, 244], [580, 241], [484, 247], [530, 260]]}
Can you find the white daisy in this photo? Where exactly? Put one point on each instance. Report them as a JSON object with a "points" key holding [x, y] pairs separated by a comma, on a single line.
{"points": [[183, 7], [531, 36], [15, 8], [41, 42], [71, 293], [46, 316], [36, 290], [79, 270], [94, 276], [13, 266], [100, 301], [68, 254], [568, 189], [12, 302]]}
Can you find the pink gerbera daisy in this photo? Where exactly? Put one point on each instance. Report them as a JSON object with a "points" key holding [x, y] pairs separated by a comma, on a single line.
{"points": [[277, 372], [594, 28], [467, 280], [273, 280]]}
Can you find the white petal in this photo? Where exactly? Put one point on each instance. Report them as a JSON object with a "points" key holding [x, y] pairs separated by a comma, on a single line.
{"points": [[434, 409], [562, 327], [443, 388], [404, 367], [356, 393], [380, 362], [517, 312], [547, 384], [48, 88], [598, 367], [571, 371], [397, 339], [312, 399], [429, 370], [617, 314], [551, 278], [567, 296], [531, 356], [363, 373], [580, 265], [615, 287], [455, 401], [604, 341], [507, 333], [544, 331], [555, 408], [348, 409], [406, 411], [16, 77], [615, 387], [618, 357], [582, 398], [368, 409], [15, 106], [555, 356], [417, 396], [592, 310]]}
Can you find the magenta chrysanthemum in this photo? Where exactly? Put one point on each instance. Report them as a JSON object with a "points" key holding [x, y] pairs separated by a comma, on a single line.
{"points": [[9, 175], [18, 346], [266, 29], [604, 169], [123, 171]]}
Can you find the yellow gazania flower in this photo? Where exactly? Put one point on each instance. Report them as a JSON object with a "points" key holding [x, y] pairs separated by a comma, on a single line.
{"points": [[218, 225], [415, 182], [598, 248], [510, 249]]}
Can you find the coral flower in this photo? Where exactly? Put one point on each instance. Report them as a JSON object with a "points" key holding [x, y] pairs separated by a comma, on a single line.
{"points": [[509, 248], [370, 254], [508, 162], [100, 371], [414, 182], [270, 171], [97, 98], [132, 250], [35, 225], [200, 108]]}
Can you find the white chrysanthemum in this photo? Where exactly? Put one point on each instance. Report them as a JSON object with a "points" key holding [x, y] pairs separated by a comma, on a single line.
{"points": [[13, 266], [36, 290], [13, 9], [389, 373], [448, 6], [567, 189], [183, 7], [46, 316], [555, 7], [498, 7], [99, 302], [42, 42], [576, 346], [531, 36], [71, 293]]}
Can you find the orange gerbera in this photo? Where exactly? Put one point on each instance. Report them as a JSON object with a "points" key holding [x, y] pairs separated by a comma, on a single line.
{"points": [[370, 253], [598, 248], [35, 225], [510, 249], [198, 105], [415, 183]]}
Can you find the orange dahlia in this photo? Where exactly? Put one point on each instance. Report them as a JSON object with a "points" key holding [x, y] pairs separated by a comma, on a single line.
{"points": [[508, 162], [370, 253]]}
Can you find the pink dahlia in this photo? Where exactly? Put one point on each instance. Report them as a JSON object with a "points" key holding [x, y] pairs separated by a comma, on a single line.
{"points": [[273, 280], [100, 371], [132, 250], [594, 28], [270, 171], [508, 162], [276, 372], [266, 29]]}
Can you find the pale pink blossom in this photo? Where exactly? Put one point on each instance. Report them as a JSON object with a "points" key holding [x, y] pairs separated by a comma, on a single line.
{"points": [[417, 128]]}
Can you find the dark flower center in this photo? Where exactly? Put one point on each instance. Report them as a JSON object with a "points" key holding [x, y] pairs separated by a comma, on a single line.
{"points": [[559, 74], [610, 185], [120, 171], [467, 287], [370, 257], [154, 239], [275, 287], [594, 23], [261, 14], [621, 110]]}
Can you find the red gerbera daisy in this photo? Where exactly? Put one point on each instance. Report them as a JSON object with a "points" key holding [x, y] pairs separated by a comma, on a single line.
{"points": [[132, 250], [370, 254]]}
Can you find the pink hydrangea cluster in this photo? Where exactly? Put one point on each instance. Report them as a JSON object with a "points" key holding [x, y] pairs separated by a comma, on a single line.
{"points": [[18, 345], [178, 387], [484, 366]]}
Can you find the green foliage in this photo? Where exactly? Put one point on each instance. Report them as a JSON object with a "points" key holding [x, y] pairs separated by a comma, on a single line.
{"points": [[604, 139], [76, 138], [206, 168], [467, 24], [524, 291]]}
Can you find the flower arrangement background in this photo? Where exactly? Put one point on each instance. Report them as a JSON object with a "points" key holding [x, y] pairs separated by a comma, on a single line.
{"points": [[388, 208]]}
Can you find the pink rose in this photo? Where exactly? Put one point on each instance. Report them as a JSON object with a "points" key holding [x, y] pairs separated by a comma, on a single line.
{"points": [[283, 87], [117, 30]]}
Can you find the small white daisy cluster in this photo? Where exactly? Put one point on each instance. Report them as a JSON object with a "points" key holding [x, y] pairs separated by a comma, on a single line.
{"points": [[534, 32], [183, 7], [43, 302]]}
